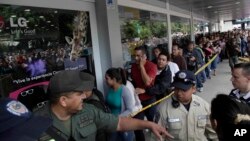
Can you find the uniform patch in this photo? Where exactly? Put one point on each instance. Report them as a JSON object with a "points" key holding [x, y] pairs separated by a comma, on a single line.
{"points": [[173, 120], [86, 123], [85, 120], [200, 117], [17, 108], [196, 103], [182, 75]]}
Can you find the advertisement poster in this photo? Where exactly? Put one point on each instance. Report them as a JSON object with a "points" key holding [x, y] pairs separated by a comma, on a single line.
{"points": [[36, 43]]}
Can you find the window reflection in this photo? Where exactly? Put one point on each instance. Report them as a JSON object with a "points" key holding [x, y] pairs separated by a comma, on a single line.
{"points": [[139, 27]]}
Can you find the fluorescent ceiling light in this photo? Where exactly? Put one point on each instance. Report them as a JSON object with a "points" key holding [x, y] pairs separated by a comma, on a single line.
{"points": [[27, 10], [209, 6]]}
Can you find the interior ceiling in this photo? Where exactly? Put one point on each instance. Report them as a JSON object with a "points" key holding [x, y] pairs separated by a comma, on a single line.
{"points": [[216, 10]]}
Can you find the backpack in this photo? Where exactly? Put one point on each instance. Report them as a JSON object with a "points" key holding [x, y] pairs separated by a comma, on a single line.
{"points": [[97, 99]]}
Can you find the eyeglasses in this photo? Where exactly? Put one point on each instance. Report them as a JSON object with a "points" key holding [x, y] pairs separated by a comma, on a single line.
{"points": [[25, 93], [41, 104]]}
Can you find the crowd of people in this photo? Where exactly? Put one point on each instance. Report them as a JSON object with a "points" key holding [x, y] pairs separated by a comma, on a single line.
{"points": [[183, 116], [33, 62]]}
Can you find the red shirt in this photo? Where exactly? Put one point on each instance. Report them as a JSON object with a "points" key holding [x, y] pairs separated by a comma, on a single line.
{"points": [[151, 70]]}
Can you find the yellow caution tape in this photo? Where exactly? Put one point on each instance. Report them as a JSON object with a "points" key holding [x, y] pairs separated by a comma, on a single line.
{"points": [[244, 59]]}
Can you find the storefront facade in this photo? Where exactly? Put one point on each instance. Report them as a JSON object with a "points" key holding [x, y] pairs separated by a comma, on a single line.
{"points": [[40, 38], [93, 34]]}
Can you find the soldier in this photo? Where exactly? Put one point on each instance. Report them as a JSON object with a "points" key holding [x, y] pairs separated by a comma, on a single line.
{"points": [[184, 115], [75, 120]]}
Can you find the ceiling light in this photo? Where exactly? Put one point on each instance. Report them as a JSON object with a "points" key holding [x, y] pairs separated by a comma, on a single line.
{"points": [[209, 6], [237, 2], [48, 21], [13, 16], [36, 25], [41, 17], [52, 25], [27, 10], [55, 11]]}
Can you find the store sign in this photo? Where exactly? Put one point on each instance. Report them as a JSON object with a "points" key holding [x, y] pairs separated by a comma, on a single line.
{"points": [[110, 4], [21, 22]]}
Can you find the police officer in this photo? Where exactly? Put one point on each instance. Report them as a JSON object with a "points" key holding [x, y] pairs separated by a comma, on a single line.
{"points": [[184, 115], [18, 124], [241, 82], [75, 120]]}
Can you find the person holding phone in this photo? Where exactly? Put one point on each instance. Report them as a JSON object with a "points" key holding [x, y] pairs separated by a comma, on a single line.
{"points": [[143, 73]]}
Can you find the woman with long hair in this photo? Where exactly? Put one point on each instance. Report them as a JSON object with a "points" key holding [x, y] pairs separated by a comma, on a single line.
{"points": [[119, 99]]}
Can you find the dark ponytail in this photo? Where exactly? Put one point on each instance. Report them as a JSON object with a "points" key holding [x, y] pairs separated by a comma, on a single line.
{"points": [[123, 75]]}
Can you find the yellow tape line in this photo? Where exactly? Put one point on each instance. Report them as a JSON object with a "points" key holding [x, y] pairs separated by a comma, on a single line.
{"points": [[244, 59]]}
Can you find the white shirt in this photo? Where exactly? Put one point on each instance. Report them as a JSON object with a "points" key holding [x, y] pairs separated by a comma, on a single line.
{"points": [[131, 88], [173, 68]]}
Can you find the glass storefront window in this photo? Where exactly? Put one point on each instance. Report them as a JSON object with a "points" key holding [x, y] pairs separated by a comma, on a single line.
{"points": [[36, 42], [180, 30], [139, 27], [158, 3]]}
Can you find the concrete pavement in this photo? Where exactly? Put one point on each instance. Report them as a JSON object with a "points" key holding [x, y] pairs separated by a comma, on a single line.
{"points": [[219, 84]]}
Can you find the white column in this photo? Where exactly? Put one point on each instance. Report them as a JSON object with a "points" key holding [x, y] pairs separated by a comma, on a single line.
{"points": [[192, 25], [169, 34], [221, 25]]}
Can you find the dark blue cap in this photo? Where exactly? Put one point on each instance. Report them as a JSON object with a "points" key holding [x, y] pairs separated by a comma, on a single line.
{"points": [[16, 121], [184, 80]]}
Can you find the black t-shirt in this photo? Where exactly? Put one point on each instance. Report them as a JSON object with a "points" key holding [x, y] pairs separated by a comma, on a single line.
{"points": [[187, 106]]}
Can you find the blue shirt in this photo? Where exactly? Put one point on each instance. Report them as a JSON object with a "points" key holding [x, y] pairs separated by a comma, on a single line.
{"points": [[114, 100]]}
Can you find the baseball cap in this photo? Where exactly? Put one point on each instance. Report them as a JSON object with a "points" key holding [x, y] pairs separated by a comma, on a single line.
{"points": [[71, 80], [17, 122], [184, 80]]}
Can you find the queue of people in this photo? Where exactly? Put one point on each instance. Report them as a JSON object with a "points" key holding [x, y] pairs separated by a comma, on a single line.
{"points": [[184, 116]]}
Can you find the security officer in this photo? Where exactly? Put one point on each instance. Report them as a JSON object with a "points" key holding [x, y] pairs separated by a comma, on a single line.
{"points": [[74, 120], [18, 124], [184, 115], [241, 82]]}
